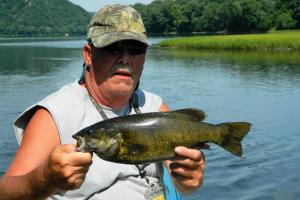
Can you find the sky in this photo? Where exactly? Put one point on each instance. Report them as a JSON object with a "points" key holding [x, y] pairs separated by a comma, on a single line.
{"points": [[94, 5]]}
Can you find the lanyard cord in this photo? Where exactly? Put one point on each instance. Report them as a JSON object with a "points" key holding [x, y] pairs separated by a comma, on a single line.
{"points": [[141, 168], [99, 108], [133, 103]]}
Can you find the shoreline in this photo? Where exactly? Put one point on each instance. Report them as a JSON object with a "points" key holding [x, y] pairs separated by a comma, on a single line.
{"points": [[272, 41], [44, 38]]}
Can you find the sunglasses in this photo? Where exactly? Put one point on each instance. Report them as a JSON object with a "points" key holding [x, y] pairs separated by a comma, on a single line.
{"points": [[133, 47]]}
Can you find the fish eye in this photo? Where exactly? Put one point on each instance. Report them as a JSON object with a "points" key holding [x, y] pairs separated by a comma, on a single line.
{"points": [[115, 140]]}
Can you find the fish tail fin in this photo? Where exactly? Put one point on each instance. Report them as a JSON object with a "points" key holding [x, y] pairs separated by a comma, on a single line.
{"points": [[233, 135]]}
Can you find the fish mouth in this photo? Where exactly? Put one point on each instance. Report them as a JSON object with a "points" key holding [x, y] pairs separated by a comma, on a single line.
{"points": [[80, 143]]}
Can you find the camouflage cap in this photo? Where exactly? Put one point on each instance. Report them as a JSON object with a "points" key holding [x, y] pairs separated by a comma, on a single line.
{"points": [[114, 23]]}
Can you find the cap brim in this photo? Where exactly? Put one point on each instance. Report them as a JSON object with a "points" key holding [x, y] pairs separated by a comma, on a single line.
{"points": [[109, 38]]}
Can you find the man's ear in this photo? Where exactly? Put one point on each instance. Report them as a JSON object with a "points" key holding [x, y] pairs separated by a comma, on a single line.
{"points": [[87, 53]]}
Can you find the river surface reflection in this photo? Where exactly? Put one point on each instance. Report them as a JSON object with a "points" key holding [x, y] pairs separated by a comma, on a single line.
{"points": [[259, 87]]}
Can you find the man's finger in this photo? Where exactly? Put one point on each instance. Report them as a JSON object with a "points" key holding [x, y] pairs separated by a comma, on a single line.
{"points": [[78, 158], [183, 172], [192, 154]]}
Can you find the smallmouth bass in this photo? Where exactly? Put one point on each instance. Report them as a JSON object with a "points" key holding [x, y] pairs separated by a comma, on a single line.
{"points": [[151, 137]]}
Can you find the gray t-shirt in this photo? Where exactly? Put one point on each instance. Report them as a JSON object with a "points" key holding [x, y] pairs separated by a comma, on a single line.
{"points": [[72, 110]]}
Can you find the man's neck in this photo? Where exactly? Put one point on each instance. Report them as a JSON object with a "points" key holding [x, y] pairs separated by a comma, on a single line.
{"points": [[111, 101], [115, 102]]}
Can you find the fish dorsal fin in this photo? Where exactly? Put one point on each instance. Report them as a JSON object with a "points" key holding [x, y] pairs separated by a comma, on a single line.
{"points": [[192, 113]]}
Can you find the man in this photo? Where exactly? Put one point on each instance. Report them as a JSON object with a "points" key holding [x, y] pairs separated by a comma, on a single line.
{"points": [[47, 163]]}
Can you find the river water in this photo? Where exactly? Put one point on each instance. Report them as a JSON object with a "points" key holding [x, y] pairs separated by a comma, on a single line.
{"points": [[258, 87]]}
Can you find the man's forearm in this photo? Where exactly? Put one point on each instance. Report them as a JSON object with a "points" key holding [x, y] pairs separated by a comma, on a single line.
{"points": [[29, 186]]}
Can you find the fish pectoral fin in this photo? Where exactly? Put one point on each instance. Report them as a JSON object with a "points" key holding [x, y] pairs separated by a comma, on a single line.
{"points": [[134, 149], [194, 114], [114, 148], [115, 145]]}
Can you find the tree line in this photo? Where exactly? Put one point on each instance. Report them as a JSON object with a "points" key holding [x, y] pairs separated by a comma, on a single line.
{"points": [[231, 16], [61, 17]]}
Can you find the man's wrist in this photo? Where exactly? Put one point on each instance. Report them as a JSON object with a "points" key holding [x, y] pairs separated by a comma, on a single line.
{"points": [[40, 182]]}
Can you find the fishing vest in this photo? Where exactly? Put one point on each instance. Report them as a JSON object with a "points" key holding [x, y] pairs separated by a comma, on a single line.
{"points": [[72, 110]]}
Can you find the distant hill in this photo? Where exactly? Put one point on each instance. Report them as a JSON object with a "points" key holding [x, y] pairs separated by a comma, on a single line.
{"points": [[42, 18]]}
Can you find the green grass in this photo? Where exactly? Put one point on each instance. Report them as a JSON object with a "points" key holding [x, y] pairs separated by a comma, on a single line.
{"points": [[277, 40]]}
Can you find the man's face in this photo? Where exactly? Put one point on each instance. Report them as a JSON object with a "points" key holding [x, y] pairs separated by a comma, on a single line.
{"points": [[116, 69]]}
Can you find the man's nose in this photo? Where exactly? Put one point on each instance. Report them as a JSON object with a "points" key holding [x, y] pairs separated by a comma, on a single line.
{"points": [[124, 56]]}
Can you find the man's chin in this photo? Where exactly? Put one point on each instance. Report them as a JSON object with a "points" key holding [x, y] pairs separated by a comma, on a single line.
{"points": [[123, 90]]}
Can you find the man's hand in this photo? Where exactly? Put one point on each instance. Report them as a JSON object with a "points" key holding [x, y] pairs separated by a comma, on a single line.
{"points": [[67, 168], [187, 169]]}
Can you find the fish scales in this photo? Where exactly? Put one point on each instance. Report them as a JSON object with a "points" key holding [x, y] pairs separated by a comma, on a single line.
{"points": [[151, 137]]}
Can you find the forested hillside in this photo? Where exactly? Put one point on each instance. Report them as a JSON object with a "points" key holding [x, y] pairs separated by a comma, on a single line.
{"points": [[60, 17], [185, 16], [42, 18]]}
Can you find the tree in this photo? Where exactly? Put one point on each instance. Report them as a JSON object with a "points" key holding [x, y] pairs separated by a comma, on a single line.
{"points": [[160, 19], [42, 17], [284, 20], [181, 18], [196, 11], [249, 15], [297, 17], [213, 18], [163, 16], [287, 12]]}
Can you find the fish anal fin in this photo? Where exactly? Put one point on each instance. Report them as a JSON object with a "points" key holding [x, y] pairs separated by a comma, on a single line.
{"points": [[193, 113]]}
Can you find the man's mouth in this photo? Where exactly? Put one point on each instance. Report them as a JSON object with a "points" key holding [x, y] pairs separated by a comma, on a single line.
{"points": [[122, 72]]}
